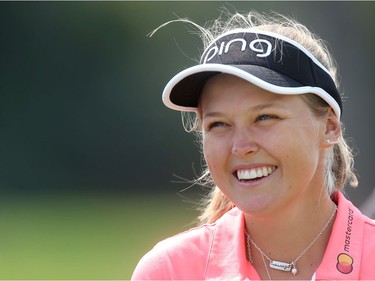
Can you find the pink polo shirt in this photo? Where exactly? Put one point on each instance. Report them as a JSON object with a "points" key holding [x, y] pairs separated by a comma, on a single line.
{"points": [[217, 251]]}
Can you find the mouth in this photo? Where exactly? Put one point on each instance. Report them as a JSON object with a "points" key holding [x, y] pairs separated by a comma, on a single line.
{"points": [[254, 174]]}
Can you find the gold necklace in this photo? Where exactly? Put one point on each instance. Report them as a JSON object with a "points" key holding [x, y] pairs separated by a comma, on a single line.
{"points": [[285, 266]]}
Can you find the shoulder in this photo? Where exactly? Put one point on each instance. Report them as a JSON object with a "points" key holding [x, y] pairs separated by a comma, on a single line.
{"points": [[352, 212], [174, 257], [352, 216], [369, 234], [194, 239], [368, 249]]}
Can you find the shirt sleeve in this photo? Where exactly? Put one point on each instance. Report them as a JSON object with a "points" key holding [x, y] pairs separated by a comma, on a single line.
{"points": [[153, 266]]}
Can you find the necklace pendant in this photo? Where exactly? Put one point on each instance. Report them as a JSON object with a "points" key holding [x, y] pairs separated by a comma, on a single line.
{"points": [[294, 269], [282, 266]]}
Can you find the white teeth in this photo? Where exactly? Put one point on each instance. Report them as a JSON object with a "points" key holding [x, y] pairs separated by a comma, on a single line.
{"points": [[254, 173], [265, 171]]}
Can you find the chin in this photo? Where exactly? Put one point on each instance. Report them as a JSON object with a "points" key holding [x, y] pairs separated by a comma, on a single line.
{"points": [[253, 207]]}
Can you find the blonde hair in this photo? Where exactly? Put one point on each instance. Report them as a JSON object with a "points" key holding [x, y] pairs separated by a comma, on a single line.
{"points": [[338, 159]]}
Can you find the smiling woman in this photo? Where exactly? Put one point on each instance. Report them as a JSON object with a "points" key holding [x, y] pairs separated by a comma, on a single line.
{"points": [[268, 111], [262, 130]]}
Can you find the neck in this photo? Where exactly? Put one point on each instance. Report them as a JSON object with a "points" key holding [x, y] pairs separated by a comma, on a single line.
{"points": [[283, 236], [303, 218]]}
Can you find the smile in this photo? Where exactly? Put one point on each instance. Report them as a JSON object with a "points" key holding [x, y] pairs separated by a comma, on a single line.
{"points": [[251, 174]]}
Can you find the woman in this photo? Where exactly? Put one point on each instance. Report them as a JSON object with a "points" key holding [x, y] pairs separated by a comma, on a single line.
{"points": [[268, 113]]}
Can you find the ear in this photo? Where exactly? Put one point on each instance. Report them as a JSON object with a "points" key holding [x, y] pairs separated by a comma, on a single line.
{"points": [[332, 129]]}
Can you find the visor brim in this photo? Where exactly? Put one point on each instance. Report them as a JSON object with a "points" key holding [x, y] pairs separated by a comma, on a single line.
{"points": [[183, 91]]}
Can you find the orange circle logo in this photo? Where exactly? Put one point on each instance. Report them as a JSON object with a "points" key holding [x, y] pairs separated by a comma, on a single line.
{"points": [[344, 263]]}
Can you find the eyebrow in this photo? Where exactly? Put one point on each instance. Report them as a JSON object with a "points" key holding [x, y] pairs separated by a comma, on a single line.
{"points": [[264, 106], [258, 107]]}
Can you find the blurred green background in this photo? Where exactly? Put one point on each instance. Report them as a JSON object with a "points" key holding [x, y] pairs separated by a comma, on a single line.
{"points": [[91, 160]]}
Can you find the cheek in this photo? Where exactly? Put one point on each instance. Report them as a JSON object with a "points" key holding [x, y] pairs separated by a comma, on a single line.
{"points": [[213, 152], [208, 153], [302, 150]]}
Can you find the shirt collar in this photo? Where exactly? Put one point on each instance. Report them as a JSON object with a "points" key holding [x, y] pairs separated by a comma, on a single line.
{"points": [[227, 256], [342, 258]]}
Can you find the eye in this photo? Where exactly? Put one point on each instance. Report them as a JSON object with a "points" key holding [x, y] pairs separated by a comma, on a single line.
{"points": [[216, 124], [264, 117]]}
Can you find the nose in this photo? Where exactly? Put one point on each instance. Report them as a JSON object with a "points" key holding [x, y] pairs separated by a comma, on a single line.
{"points": [[243, 143]]}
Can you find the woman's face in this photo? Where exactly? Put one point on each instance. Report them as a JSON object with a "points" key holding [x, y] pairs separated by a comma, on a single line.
{"points": [[264, 150]]}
